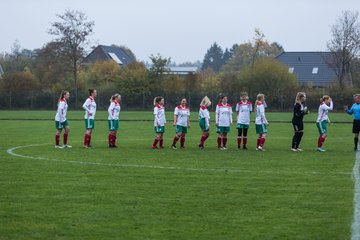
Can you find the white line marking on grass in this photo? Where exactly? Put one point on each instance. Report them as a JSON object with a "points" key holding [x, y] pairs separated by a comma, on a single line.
{"points": [[355, 228], [229, 170]]}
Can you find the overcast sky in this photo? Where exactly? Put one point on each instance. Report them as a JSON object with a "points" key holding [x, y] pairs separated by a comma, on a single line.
{"points": [[183, 29]]}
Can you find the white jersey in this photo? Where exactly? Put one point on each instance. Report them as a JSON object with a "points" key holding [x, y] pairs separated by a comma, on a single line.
{"points": [[223, 115], [61, 111], [182, 114], [323, 111], [244, 109], [114, 110], [90, 108], [159, 116], [260, 114], [204, 113]]}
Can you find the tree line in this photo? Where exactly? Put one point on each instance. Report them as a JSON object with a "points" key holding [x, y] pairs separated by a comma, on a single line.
{"points": [[34, 78]]}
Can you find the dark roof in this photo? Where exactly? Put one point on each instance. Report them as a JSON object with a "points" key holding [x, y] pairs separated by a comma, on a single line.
{"points": [[304, 66], [104, 53]]}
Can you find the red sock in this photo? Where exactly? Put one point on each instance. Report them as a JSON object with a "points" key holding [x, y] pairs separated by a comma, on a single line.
{"points": [[176, 138], [262, 142], [161, 142], [239, 141], [182, 141], [321, 140], [65, 138], [110, 139], [87, 140], [245, 140], [155, 142], [202, 140], [219, 142], [258, 142], [57, 139], [114, 140], [224, 141]]}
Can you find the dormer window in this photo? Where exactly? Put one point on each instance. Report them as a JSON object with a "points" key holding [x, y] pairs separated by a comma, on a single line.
{"points": [[315, 70], [291, 69]]}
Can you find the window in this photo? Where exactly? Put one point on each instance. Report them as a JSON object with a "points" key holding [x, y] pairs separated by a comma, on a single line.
{"points": [[115, 58], [315, 70], [291, 69]]}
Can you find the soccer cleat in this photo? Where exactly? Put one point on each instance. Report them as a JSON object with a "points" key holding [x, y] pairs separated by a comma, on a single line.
{"points": [[85, 146], [67, 146], [201, 147], [294, 149], [223, 148], [239, 147], [320, 149], [259, 148], [245, 148], [300, 150], [58, 146], [154, 147], [173, 147], [182, 147]]}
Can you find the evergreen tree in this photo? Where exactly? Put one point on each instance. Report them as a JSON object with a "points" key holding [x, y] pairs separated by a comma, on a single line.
{"points": [[213, 58]]}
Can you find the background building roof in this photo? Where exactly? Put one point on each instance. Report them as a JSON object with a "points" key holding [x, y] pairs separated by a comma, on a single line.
{"points": [[309, 67]]}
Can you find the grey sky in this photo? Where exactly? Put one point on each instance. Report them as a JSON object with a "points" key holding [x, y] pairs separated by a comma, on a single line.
{"points": [[182, 30]]}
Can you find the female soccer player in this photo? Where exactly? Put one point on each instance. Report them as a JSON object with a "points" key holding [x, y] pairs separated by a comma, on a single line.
{"points": [[113, 119], [60, 120], [223, 119], [243, 108], [204, 120], [299, 111], [323, 119], [181, 122], [260, 121], [159, 122], [355, 109], [90, 109]]}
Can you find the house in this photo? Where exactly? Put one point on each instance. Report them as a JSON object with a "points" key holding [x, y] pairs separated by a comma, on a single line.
{"points": [[182, 70], [104, 53], [310, 68]]}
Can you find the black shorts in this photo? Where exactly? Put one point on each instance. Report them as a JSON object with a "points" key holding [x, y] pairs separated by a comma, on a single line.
{"points": [[356, 126], [298, 126]]}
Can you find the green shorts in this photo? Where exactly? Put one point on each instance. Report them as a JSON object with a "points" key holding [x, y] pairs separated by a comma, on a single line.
{"points": [[202, 124], [222, 129], [322, 127], [181, 129], [159, 129], [261, 128], [239, 125], [89, 123], [61, 125], [113, 125]]}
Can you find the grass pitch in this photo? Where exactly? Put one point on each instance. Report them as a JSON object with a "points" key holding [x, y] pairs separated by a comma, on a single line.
{"points": [[134, 192]]}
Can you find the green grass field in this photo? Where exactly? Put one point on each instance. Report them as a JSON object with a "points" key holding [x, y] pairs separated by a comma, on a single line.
{"points": [[134, 192]]}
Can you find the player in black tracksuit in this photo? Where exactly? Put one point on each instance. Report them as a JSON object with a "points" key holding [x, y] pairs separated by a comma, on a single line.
{"points": [[299, 111]]}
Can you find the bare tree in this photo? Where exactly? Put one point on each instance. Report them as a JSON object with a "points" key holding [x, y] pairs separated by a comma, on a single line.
{"points": [[72, 31], [344, 46]]}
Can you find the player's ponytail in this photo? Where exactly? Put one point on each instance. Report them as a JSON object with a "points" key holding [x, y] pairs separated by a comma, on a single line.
{"points": [[91, 91], [157, 100], [205, 101], [325, 97], [62, 94], [259, 98], [298, 97], [115, 96]]}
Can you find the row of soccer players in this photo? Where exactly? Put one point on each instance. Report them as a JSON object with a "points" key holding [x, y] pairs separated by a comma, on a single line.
{"points": [[223, 120]]}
